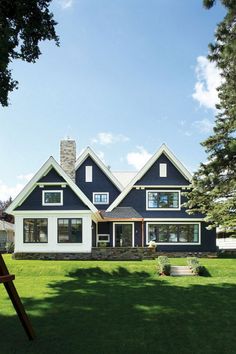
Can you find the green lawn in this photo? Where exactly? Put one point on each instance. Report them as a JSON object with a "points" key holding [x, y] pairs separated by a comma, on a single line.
{"points": [[120, 307]]}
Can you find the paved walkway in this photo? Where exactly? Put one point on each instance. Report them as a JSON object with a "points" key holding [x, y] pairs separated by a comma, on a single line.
{"points": [[180, 271]]}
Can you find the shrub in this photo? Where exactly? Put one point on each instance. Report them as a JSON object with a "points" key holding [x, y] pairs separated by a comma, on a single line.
{"points": [[10, 247], [195, 266], [164, 265]]}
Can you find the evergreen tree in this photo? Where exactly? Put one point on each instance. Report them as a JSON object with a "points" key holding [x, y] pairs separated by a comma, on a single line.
{"points": [[23, 24], [214, 184]]}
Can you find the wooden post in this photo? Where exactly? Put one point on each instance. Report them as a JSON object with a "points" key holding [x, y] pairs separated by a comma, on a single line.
{"points": [[7, 280]]}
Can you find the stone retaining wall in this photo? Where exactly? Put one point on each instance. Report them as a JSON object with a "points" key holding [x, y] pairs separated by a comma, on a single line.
{"points": [[111, 253]]}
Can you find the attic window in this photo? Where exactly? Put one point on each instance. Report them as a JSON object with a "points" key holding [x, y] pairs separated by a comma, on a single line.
{"points": [[88, 173], [163, 170], [101, 198], [52, 197]]}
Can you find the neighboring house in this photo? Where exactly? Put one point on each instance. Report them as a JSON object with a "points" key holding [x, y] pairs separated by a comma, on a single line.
{"points": [[6, 234], [72, 207]]}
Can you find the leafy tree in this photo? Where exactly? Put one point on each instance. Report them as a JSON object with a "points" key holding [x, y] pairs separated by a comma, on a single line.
{"points": [[5, 203], [23, 24], [214, 184]]}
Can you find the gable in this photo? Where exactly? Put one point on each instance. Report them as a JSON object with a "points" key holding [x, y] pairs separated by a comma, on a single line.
{"points": [[30, 197], [152, 176], [100, 181], [70, 200], [52, 176]]}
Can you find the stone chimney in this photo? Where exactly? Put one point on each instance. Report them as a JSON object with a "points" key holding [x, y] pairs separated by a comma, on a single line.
{"points": [[68, 157]]}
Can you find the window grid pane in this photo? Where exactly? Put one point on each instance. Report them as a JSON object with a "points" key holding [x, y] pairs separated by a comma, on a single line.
{"points": [[70, 230], [173, 233], [35, 230], [163, 200]]}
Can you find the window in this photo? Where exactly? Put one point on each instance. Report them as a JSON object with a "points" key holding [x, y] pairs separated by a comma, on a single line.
{"points": [[103, 239], [163, 200], [52, 198], [163, 170], [35, 230], [101, 198], [88, 173], [70, 230], [173, 233]]}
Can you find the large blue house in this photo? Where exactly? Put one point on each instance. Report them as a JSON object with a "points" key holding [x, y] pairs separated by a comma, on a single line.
{"points": [[79, 205]]}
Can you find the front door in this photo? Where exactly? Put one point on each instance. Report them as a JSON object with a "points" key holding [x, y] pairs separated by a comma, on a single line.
{"points": [[123, 235]]}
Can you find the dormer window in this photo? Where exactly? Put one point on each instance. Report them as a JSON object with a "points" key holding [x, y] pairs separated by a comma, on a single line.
{"points": [[162, 170], [88, 173], [101, 198], [52, 197]]}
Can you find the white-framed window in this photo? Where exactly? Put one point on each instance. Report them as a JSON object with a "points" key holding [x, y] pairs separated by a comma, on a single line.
{"points": [[103, 238], [166, 233], [100, 198], [52, 197], [162, 170], [163, 200], [88, 173]]}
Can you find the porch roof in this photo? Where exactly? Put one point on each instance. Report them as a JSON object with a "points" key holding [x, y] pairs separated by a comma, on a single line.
{"points": [[126, 213]]}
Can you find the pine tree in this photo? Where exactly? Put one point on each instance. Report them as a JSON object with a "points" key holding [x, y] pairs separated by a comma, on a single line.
{"points": [[214, 184]]}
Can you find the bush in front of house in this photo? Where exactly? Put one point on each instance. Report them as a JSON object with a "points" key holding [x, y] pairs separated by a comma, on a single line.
{"points": [[163, 265], [10, 247], [195, 266]]}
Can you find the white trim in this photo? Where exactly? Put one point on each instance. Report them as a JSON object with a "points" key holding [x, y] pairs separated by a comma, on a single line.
{"points": [[31, 185], [52, 191], [162, 170], [163, 149], [175, 223], [41, 185], [106, 193], [174, 219], [143, 186], [90, 153], [97, 239], [160, 191], [122, 223], [88, 173]]}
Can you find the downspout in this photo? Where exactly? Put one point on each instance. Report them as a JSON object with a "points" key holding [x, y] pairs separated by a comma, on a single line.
{"points": [[142, 232]]}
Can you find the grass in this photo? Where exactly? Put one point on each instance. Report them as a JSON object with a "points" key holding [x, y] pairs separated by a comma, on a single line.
{"points": [[120, 307]]}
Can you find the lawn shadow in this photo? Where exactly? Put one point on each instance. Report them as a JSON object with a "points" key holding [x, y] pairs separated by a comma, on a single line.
{"points": [[101, 312]]}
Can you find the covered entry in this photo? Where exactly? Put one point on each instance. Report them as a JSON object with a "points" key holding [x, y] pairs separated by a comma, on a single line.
{"points": [[123, 234]]}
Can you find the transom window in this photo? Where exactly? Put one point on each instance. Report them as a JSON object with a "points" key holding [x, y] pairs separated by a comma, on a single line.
{"points": [[101, 198], [35, 230], [163, 200], [70, 230], [52, 197], [173, 233]]}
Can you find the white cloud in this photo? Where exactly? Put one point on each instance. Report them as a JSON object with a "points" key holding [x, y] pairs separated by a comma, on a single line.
{"points": [[208, 79], [26, 177], [204, 125], [106, 138], [65, 4], [139, 158], [7, 191]]}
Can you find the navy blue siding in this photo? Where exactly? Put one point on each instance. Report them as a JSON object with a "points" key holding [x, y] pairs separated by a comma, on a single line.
{"points": [[70, 200], [138, 234], [137, 199], [94, 234], [208, 242], [106, 228], [52, 176], [174, 177], [101, 183]]}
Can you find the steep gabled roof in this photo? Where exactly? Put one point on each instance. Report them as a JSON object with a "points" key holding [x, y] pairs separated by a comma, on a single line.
{"points": [[89, 152], [162, 150], [50, 163]]}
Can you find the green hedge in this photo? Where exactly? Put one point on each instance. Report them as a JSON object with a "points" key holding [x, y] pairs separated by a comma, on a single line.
{"points": [[195, 266], [163, 265]]}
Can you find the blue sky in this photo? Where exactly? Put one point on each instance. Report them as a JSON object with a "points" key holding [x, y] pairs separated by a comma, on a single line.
{"points": [[128, 76]]}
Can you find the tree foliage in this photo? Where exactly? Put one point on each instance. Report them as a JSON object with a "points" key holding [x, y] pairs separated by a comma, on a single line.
{"points": [[214, 184], [23, 24], [5, 203]]}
